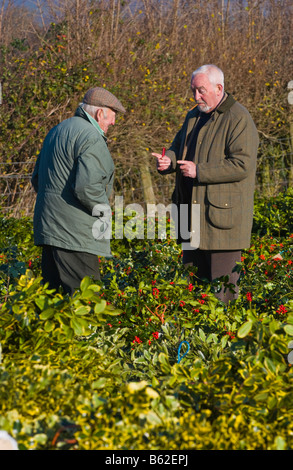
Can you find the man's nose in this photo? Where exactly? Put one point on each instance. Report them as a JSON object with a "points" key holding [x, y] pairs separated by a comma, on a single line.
{"points": [[196, 95]]}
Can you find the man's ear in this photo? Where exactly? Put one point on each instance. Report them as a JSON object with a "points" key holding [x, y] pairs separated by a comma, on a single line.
{"points": [[98, 114], [219, 89]]}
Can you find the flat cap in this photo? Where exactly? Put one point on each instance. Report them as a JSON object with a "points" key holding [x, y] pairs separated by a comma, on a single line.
{"points": [[101, 97]]}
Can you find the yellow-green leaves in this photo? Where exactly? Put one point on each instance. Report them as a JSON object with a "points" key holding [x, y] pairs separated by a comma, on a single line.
{"points": [[245, 329]]}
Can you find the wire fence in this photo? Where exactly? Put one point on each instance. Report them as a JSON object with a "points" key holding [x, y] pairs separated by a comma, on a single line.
{"points": [[274, 174]]}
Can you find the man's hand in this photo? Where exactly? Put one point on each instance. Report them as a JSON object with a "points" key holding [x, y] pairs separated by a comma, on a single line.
{"points": [[188, 168], [163, 162]]}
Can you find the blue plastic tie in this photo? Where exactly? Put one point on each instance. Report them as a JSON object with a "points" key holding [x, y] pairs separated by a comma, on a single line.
{"points": [[179, 349]]}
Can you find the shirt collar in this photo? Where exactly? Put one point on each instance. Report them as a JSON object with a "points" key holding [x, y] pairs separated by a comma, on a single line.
{"points": [[95, 124]]}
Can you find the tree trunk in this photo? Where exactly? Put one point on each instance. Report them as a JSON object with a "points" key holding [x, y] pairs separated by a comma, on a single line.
{"points": [[146, 180]]}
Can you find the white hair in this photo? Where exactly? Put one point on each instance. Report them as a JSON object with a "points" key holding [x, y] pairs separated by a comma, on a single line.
{"points": [[92, 110], [214, 74]]}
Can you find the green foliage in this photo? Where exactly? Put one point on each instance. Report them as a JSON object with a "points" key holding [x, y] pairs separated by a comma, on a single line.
{"points": [[148, 358], [273, 216]]}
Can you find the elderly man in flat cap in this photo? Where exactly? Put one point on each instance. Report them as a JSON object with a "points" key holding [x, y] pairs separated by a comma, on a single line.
{"points": [[73, 178]]}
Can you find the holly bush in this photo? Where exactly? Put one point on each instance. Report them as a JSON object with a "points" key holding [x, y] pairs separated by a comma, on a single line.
{"points": [[148, 357]]}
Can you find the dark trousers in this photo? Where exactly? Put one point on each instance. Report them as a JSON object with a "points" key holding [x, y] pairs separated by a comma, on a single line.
{"points": [[67, 268], [212, 265]]}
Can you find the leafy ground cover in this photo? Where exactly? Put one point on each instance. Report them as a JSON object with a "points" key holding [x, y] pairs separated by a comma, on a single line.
{"points": [[148, 358]]}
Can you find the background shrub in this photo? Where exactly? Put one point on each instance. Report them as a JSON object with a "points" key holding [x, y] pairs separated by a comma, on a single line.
{"points": [[144, 52]]}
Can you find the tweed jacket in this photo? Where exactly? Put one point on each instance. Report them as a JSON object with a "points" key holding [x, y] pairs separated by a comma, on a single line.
{"points": [[225, 156], [73, 176]]}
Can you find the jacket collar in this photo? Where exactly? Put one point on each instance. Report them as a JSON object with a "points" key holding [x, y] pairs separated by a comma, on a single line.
{"points": [[226, 104]]}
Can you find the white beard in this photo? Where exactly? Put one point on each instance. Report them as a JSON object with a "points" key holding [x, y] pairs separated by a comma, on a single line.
{"points": [[204, 108]]}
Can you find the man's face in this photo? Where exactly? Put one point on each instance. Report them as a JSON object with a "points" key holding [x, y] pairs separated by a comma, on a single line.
{"points": [[206, 95], [106, 118]]}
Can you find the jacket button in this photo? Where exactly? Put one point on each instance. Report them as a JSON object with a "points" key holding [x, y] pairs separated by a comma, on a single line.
{"points": [[194, 202]]}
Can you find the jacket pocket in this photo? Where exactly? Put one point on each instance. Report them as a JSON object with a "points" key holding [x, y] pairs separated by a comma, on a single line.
{"points": [[224, 208]]}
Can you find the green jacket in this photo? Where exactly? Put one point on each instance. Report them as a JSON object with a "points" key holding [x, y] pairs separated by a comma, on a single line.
{"points": [[73, 178], [225, 156]]}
